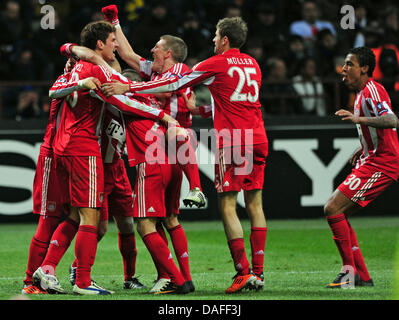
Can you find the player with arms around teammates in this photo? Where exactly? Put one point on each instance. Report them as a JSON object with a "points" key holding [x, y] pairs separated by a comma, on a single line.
{"points": [[46, 200], [78, 154], [234, 79], [169, 54], [376, 163]]}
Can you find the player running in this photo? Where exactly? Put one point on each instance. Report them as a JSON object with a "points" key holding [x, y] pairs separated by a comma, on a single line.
{"points": [[376, 163], [234, 79]]}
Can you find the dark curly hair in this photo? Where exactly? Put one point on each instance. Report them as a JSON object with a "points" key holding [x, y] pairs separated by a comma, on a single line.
{"points": [[366, 57]]}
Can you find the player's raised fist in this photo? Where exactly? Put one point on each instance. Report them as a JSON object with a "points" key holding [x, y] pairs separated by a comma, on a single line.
{"points": [[111, 14], [65, 49]]}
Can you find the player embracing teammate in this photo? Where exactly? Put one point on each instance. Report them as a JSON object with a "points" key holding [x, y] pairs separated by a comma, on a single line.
{"points": [[234, 79]]}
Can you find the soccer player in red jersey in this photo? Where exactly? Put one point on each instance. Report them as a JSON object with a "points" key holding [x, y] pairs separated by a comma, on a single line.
{"points": [[117, 190], [118, 201], [46, 191], [78, 154], [151, 197], [126, 246], [169, 53], [234, 79], [136, 146], [376, 163]]}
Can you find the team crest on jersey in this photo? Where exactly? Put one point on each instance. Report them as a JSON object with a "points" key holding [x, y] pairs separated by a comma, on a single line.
{"points": [[101, 196], [381, 108]]}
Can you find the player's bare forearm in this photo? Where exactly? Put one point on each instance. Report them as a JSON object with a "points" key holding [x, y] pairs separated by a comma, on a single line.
{"points": [[385, 121], [126, 51]]}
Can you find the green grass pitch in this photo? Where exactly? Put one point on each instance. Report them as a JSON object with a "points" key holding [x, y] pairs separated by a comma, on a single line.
{"points": [[300, 259]]}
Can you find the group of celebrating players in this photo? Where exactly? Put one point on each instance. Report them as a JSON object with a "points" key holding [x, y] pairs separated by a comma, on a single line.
{"points": [[97, 111]]}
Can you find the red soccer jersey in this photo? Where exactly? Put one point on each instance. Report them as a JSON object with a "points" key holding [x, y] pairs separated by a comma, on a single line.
{"points": [[380, 146], [140, 112], [233, 79], [175, 105], [56, 107], [80, 126]]}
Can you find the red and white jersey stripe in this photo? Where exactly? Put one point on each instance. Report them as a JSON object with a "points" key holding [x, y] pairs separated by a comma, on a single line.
{"points": [[234, 80], [131, 105], [79, 128], [141, 190], [56, 106], [46, 177], [380, 146], [175, 105], [92, 182]]}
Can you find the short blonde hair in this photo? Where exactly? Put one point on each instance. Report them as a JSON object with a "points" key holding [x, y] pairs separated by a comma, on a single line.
{"points": [[177, 46]]}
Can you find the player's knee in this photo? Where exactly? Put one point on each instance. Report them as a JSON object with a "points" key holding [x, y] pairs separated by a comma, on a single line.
{"points": [[170, 222], [329, 208], [145, 226], [125, 225]]}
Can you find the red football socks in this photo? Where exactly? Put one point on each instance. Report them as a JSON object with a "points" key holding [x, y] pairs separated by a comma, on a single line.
{"points": [[85, 252], [162, 273], [179, 241], [357, 255], [187, 160], [127, 247], [341, 236], [59, 244], [258, 244], [237, 250], [161, 255], [39, 245]]}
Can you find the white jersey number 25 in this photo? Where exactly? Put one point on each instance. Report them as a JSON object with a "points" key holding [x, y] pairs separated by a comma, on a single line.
{"points": [[244, 76]]}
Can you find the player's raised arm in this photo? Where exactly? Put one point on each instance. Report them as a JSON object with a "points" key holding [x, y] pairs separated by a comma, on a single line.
{"points": [[125, 50]]}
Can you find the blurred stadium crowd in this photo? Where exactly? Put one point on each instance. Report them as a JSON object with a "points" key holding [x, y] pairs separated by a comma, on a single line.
{"points": [[300, 45]]}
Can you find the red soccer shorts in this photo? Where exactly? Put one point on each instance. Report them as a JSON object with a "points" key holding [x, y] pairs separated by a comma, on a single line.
{"points": [[118, 194], [46, 190], [365, 184], [82, 180], [240, 168], [149, 198]]}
